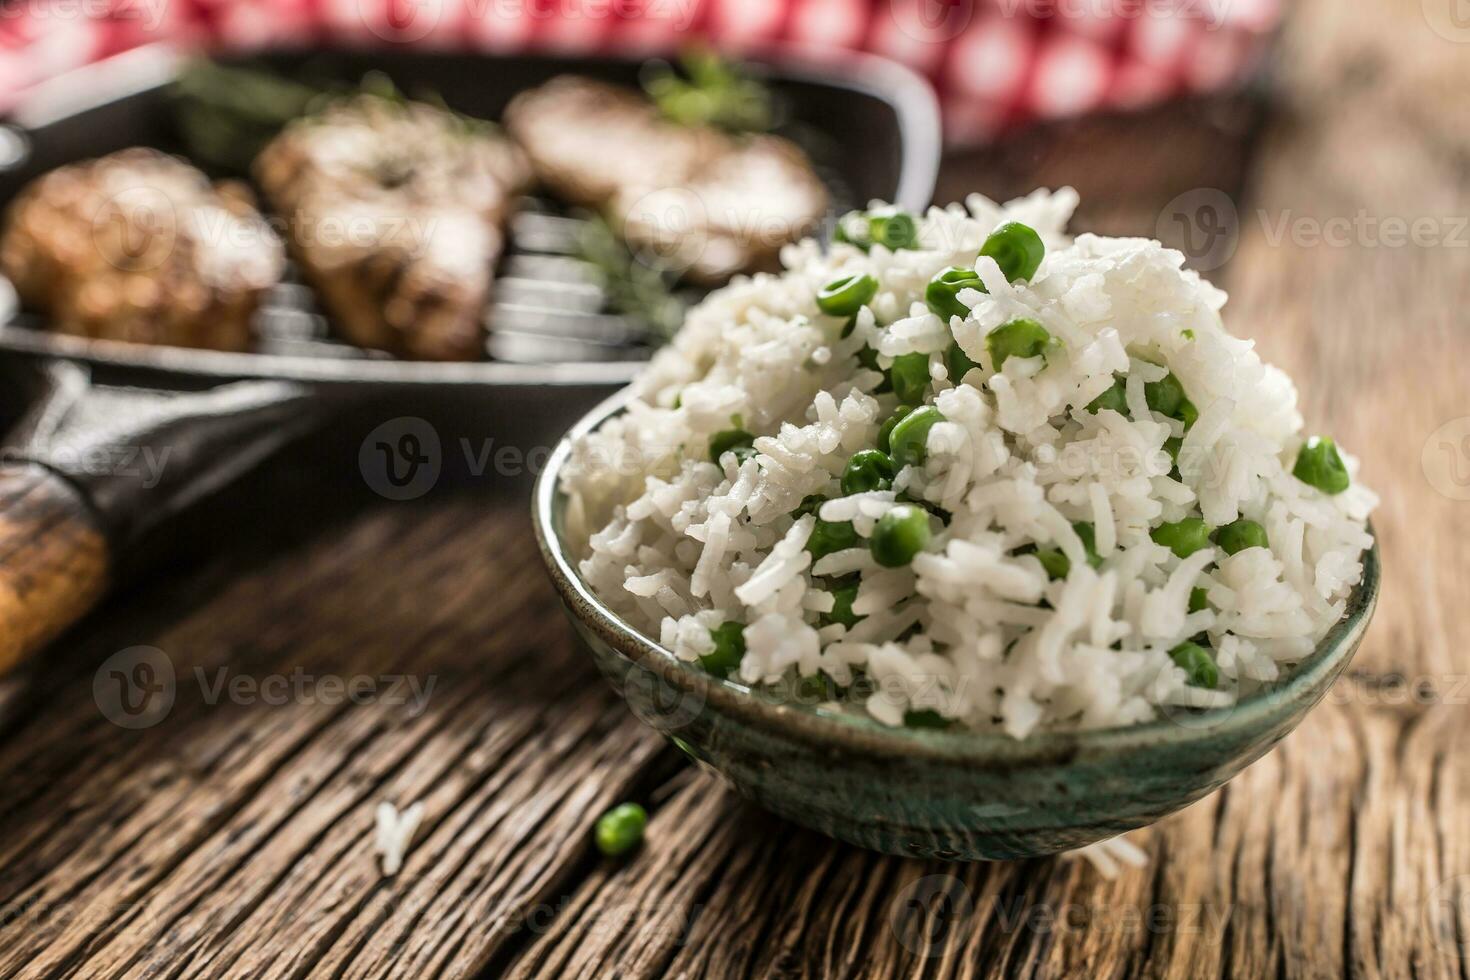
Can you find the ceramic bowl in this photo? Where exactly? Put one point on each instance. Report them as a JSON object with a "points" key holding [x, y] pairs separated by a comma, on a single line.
{"points": [[924, 792]]}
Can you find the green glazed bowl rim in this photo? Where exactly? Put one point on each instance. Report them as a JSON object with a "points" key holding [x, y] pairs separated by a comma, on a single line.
{"points": [[1306, 682]]}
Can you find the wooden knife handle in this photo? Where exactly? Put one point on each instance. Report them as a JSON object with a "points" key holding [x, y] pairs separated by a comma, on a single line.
{"points": [[53, 559]]}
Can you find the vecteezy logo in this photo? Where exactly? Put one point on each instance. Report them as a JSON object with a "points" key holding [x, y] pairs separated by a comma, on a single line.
{"points": [[668, 229], [136, 229], [400, 459], [658, 703], [1203, 224], [928, 908], [1446, 909], [932, 20], [134, 688], [1450, 19], [403, 21], [1445, 459]]}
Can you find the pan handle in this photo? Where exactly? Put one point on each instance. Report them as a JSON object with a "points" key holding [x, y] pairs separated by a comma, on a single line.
{"points": [[53, 559]]}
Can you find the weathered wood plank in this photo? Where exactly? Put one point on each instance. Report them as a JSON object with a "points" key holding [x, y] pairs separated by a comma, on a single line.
{"points": [[234, 839]]}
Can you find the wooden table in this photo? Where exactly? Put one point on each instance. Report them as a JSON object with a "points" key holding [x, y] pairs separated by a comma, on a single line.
{"points": [[233, 836]]}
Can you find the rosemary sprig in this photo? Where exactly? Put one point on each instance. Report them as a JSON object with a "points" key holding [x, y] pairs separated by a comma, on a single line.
{"points": [[227, 115], [632, 287], [711, 92]]}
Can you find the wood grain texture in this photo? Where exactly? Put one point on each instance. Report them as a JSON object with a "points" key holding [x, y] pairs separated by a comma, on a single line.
{"points": [[53, 559], [232, 837]]}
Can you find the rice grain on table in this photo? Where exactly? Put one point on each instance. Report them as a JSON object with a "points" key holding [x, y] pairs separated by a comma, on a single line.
{"points": [[1007, 618]]}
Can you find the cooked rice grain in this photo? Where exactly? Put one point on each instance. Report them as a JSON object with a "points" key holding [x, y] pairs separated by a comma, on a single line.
{"points": [[973, 630]]}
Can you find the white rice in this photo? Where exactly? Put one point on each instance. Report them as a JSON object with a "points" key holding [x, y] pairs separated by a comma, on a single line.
{"points": [[972, 629], [393, 833]]}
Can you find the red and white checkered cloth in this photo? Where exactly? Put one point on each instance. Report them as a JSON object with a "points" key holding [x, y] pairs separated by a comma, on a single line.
{"points": [[994, 63]]}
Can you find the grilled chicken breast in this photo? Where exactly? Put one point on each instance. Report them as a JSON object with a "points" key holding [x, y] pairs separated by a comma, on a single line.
{"points": [[395, 212], [702, 200], [140, 246]]}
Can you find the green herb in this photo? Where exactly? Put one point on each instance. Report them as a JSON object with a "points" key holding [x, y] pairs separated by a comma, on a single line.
{"points": [[227, 115], [710, 92], [631, 287]]}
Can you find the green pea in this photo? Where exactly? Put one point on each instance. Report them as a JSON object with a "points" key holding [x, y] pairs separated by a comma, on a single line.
{"points": [[906, 498], [830, 536], [907, 442], [1197, 663], [1164, 395], [1019, 338], [846, 295], [816, 688], [927, 718], [1172, 445], [893, 229], [942, 293], [1319, 465], [889, 227], [1239, 535], [867, 469], [909, 376], [1017, 249], [957, 363], [885, 431], [809, 505], [852, 229], [729, 440], [842, 600], [729, 648], [1115, 398], [1188, 414], [1057, 565], [899, 535], [1184, 537], [620, 829], [1088, 535], [1199, 599]]}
